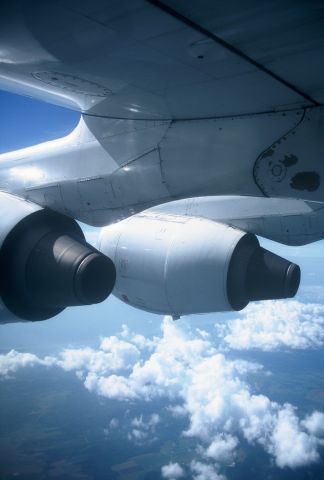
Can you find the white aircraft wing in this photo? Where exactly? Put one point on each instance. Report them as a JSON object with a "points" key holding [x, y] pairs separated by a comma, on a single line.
{"points": [[170, 59]]}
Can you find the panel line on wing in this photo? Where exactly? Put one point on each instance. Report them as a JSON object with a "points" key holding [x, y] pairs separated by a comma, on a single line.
{"points": [[236, 51]]}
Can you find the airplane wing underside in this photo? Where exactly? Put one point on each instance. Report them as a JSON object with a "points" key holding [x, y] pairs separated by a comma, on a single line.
{"points": [[171, 59]]}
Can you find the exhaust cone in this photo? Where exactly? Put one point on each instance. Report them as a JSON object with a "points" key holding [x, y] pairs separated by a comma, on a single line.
{"points": [[257, 274]]}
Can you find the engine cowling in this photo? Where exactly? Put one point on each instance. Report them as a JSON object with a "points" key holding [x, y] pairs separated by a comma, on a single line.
{"points": [[179, 265], [45, 263]]}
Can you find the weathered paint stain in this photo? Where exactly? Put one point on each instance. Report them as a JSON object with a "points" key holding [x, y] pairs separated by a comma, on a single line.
{"points": [[309, 181], [289, 160], [276, 170]]}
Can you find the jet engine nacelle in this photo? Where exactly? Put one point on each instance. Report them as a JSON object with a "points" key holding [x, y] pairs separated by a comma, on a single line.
{"points": [[179, 265], [46, 264]]}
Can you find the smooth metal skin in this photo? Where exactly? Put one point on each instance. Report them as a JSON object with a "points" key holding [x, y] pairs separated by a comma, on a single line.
{"points": [[179, 265], [132, 165], [287, 221], [135, 60], [172, 265]]}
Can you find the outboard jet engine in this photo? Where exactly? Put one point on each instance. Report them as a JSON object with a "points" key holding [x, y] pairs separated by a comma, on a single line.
{"points": [[45, 263]]}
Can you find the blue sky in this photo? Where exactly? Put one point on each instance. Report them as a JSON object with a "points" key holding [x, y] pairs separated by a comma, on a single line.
{"points": [[25, 122]]}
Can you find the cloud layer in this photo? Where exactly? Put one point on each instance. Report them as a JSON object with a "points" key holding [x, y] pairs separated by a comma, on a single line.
{"points": [[275, 325], [172, 471], [200, 384], [13, 361]]}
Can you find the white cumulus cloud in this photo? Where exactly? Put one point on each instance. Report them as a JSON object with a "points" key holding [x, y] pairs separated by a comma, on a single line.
{"points": [[14, 360], [314, 423], [113, 355], [139, 340], [142, 429], [270, 326], [172, 471], [204, 471], [222, 448], [291, 446], [213, 393], [151, 422], [210, 391]]}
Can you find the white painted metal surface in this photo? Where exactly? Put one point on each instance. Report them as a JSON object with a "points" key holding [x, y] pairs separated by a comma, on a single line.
{"points": [[173, 265], [287, 221], [109, 169], [130, 59]]}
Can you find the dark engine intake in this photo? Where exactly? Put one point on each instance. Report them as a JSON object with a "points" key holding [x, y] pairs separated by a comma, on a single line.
{"points": [[46, 265]]}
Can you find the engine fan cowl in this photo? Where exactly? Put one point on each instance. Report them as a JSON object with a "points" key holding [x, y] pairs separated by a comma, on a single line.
{"points": [[178, 265]]}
